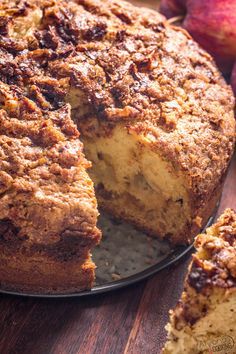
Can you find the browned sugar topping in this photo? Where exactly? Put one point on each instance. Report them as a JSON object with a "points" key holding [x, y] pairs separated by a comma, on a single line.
{"points": [[122, 58], [215, 262], [128, 65]]}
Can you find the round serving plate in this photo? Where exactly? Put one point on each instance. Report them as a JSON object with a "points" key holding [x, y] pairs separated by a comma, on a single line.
{"points": [[124, 257]]}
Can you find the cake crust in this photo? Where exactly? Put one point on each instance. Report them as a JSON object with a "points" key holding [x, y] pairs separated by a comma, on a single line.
{"points": [[128, 65]]}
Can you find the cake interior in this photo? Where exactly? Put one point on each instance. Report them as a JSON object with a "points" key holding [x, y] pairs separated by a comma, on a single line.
{"points": [[137, 184], [208, 333]]}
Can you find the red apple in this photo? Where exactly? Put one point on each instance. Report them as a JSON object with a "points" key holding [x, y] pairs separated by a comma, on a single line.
{"points": [[212, 23], [233, 79], [172, 8]]}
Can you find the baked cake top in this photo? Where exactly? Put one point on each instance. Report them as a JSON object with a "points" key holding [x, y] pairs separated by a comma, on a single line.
{"points": [[126, 65]]}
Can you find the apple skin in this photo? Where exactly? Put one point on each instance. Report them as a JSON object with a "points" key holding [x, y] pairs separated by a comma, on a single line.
{"points": [[212, 23], [172, 8], [233, 79]]}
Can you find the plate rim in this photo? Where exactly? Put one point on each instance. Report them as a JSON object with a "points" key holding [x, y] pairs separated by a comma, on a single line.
{"points": [[176, 254]]}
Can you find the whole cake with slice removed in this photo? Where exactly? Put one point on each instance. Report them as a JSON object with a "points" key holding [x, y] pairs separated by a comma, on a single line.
{"points": [[147, 106], [204, 320]]}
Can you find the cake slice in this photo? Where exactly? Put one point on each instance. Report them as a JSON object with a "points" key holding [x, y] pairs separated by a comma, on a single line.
{"points": [[48, 211], [204, 320]]}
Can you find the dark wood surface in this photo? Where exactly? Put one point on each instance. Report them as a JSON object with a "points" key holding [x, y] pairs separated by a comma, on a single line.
{"points": [[128, 321]]}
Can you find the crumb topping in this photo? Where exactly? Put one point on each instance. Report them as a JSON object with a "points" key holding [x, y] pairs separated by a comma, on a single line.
{"points": [[126, 65], [116, 62], [215, 261], [211, 275]]}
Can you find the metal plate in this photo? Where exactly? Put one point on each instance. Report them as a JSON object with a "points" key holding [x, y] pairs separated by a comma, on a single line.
{"points": [[127, 255]]}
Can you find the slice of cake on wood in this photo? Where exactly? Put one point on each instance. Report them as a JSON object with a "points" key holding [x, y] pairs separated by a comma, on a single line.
{"points": [[204, 320]]}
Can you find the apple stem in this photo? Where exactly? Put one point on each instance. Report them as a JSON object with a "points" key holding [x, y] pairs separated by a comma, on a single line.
{"points": [[175, 19]]}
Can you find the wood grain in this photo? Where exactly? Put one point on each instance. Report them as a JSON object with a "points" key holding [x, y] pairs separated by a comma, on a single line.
{"points": [[129, 321]]}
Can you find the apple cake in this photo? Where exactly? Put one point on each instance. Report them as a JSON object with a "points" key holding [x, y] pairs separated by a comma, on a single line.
{"points": [[204, 320], [148, 106]]}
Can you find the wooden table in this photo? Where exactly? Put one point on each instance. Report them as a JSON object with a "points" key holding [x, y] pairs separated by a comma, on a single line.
{"points": [[128, 321]]}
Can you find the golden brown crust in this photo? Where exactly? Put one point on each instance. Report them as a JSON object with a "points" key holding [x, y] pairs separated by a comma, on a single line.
{"points": [[131, 66], [37, 273], [43, 178]]}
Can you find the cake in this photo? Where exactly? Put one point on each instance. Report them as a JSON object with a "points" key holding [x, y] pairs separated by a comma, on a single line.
{"points": [[101, 96], [204, 320]]}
